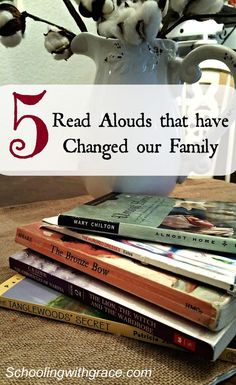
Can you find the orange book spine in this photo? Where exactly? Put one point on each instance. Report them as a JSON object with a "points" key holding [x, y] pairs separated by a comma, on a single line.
{"points": [[118, 271]]}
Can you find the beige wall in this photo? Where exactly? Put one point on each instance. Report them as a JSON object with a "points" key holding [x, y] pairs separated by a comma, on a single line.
{"points": [[31, 63]]}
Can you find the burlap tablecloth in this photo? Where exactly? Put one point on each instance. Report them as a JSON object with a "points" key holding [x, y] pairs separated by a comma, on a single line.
{"points": [[37, 343]]}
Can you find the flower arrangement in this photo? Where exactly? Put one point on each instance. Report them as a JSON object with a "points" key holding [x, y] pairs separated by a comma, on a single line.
{"points": [[131, 21]]}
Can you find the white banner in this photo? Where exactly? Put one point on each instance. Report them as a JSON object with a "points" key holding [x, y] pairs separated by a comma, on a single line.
{"points": [[117, 130]]}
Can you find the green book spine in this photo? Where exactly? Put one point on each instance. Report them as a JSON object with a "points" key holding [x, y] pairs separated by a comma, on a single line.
{"points": [[197, 224]]}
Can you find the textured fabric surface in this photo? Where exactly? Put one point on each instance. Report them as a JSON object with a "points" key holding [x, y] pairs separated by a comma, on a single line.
{"points": [[35, 343]]}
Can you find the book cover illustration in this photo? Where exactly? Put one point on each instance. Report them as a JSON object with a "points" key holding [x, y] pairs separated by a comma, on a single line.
{"points": [[215, 269], [24, 295], [193, 223], [114, 302], [201, 304]]}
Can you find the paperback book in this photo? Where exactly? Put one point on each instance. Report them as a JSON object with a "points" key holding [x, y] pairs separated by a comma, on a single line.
{"points": [[25, 295], [210, 268], [108, 299], [22, 294], [187, 222], [201, 304]]}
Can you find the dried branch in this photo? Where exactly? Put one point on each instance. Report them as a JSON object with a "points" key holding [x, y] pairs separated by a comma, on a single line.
{"points": [[36, 18], [75, 15]]}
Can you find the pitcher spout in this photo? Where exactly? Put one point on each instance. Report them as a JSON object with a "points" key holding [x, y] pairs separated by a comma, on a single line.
{"points": [[85, 44]]}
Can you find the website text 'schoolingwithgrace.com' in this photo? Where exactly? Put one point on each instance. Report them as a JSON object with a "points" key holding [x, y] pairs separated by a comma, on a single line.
{"points": [[78, 372]]}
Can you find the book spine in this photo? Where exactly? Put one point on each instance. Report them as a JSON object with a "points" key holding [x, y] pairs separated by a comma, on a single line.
{"points": [[190, 307], [171, 264], [113, 309], [104, 244], [169, 236], [216, 269], [109, 326], [87, 224], [83, 320]]}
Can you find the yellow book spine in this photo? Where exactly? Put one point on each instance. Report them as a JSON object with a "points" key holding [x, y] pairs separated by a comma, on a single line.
{"points": [[88, 321], [11, 282], [76, 318]]}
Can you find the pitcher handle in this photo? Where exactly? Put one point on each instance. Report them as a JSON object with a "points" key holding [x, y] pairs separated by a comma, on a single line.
{"points": [[189, 68], [189, 72]]}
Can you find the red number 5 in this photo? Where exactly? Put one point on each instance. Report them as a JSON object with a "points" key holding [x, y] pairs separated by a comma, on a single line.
{"points": [[41, 128]]}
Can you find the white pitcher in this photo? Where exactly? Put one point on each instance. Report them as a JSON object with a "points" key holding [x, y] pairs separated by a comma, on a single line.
{"points": [[121, 63]]}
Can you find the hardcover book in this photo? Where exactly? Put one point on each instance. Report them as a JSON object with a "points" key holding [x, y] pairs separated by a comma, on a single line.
{"points": [[187, 222], [25, 295], [218, 270], [204, 305]]}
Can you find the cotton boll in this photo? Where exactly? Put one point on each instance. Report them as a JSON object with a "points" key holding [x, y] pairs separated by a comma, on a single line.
{"points": [[54, 41], [126, 25], [108, 7], [11, 41], [179, 5], [5, 16], [196, 7], [133, 26], [152, 20], [12, 25], [134, 31], [124, 14], [57, 42], [11, 20], [96, 9], [113, 26], [132, 36], [133, 22], [112, 23], [143, 24], [116, 24], [199, 7], [108, 28]]}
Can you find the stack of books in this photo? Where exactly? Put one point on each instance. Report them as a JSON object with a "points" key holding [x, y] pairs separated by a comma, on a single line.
{"points": [[157, 269]]}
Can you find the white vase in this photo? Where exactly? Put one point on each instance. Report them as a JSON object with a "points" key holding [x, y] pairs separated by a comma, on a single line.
{"points": [[121, 63]]}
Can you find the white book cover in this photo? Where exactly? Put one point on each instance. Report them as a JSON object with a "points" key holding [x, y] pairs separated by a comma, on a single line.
{"points": [[209, 268]]}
